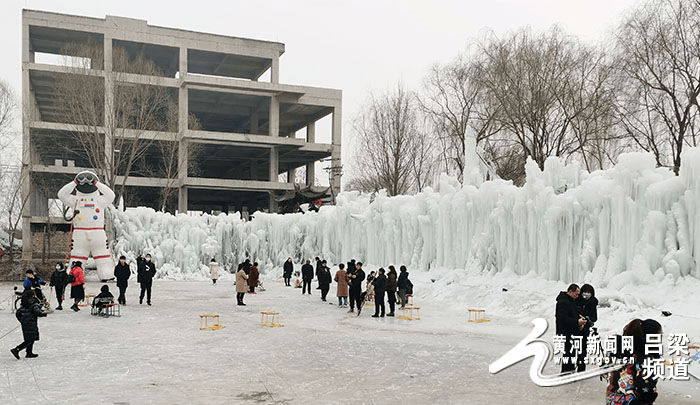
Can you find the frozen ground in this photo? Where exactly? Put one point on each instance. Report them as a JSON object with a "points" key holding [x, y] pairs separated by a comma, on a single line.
{"points": [[322, 355]]}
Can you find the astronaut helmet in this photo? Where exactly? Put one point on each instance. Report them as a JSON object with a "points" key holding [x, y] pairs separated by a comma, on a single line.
{"points": [[86, 181]]}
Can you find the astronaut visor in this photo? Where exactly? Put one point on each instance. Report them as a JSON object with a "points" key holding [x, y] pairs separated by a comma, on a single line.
{"points": [[85, 178]]}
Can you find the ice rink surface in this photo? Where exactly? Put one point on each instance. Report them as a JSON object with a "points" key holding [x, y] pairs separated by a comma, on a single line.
{"points": [[322, 355]]}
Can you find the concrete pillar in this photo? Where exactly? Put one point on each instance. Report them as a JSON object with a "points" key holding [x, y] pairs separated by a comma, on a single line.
{"points": [[274, 122], [274, 164], [335, 151], [291, 175], [27, 58], [183, 128], [311, 167], [275, 70], [109, 104]]}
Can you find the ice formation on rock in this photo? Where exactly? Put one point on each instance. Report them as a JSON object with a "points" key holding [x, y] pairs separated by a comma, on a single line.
{"points": [[633, 220]]}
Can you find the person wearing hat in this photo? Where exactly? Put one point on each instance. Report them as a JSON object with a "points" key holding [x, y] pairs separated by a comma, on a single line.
{"points": [[146, 272], [122, 272], [27, 315], [77, 289]]}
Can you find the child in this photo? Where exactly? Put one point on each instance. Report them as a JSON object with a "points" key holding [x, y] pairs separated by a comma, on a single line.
{"points": [[103, 298], [27, 315]]}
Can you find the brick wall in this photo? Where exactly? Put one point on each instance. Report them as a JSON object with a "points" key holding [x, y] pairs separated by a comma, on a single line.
{"points": [[58, 245]]}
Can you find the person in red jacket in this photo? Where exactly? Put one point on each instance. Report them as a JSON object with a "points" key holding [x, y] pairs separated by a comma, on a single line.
{"points": [[77, 290]]}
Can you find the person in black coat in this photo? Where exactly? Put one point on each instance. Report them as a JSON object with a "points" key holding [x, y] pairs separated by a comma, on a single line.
{"points": [[356, 280], [587, 306], [122, 272], [379, 284], [27, 315], [318, 272], [288, 269], [59, 281], [307, 274], [146, 272], [404, 285], [324, 279], [568, 323], [391, 283]]}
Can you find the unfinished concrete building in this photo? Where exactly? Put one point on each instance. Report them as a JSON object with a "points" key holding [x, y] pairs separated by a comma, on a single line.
{"points": [[234, 128]]}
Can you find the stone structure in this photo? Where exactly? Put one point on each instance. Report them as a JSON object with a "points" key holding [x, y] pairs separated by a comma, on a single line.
{"points": [[246, 132]]}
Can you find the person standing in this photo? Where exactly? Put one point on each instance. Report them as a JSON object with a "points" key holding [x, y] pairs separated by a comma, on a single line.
{"points": [[77, 289], [341, 277], [145, 273], [356, 280], [403, 284], [318, 272], [241, 284], [253, 277], [214, 270], [27, 315], [59, 280], [307, 274], [288, 270], [122, 272], [324, 279], [379, 283], [391, 290], [568, 324], [587, 306]]}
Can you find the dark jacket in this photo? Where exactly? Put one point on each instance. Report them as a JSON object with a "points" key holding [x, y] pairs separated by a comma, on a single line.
{"points": [[357, 281], [122, 273], [146, 271], [288, 269], [307, 272], [391, 282], [27, 315], [324, 276], [589, 309], [104, 297], [32, 282], [402, 282], [319, 266], [59, 278], [379, 283], [566, 315]]}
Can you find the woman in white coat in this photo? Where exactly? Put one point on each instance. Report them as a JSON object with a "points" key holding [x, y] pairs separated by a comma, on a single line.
{"points": [[214, 270]]}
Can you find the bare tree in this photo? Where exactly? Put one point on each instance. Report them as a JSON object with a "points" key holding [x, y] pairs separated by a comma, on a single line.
{"points": [[112, 130], [392, 149], [8, 115], [453, 101], [658, 60], [543, 89], [14, 202]]}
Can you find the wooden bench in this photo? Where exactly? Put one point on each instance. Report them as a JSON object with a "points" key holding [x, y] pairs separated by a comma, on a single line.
{"points": [[270, 318], [204, 322], [478, 315], [410, 313]]}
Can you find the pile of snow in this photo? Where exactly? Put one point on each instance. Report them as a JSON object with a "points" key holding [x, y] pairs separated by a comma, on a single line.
{"points": [[632, 224]]}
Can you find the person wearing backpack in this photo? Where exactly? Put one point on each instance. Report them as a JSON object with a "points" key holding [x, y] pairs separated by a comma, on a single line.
{"points": [[27, 315]]}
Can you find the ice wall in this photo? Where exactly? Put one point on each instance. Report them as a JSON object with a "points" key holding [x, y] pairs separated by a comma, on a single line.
{"points": [[634, 223]]}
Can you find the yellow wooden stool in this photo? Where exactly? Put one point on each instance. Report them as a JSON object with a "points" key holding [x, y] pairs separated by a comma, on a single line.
{"points": [[86, 302], [691, 346], [478, 315], [204, 322], [270, 318], [410, 313]]}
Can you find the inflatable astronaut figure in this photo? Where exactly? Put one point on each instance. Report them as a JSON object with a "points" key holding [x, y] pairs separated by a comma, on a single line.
{"points": [[89, 199]]}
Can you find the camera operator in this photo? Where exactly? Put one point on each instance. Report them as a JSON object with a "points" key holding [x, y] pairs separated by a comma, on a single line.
{"points": [[587, 306]]}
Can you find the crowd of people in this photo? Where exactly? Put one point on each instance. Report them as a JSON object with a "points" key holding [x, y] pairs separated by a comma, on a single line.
{"points": [[353, 285], [576, 313]]}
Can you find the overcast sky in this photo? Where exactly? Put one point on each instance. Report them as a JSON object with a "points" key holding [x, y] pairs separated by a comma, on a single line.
{"points": [[357, 46]]}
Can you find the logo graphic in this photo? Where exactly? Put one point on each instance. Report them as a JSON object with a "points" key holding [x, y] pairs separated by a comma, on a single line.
{"points": [[533, 346]]}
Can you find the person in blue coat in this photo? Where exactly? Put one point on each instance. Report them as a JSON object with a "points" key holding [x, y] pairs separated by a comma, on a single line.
{"points": [[34, 282]]}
